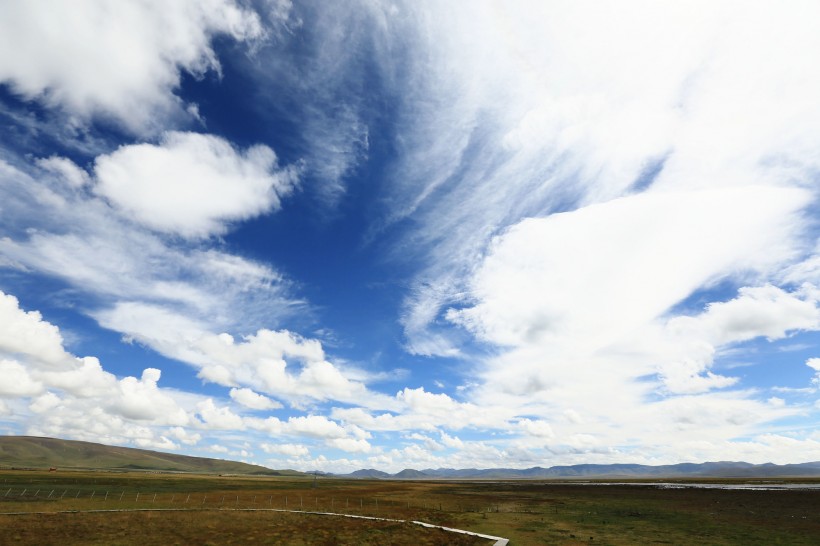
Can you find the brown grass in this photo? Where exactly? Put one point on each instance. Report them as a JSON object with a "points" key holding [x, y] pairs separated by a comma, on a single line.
{"points": [[528, 513]]}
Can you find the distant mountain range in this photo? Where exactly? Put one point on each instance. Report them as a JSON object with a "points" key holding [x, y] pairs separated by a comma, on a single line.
{"points": [[36, 452], [723, 469]]}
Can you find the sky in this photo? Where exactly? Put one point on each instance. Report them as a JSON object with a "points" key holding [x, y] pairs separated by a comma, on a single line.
{"points": [[386, 234]]}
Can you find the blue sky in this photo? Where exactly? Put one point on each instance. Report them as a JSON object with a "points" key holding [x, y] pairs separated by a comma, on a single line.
{"points": [[412, 234]]}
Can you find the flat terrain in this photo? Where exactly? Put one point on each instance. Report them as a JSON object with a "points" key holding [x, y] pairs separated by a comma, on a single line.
{"points": [[201, 509]]}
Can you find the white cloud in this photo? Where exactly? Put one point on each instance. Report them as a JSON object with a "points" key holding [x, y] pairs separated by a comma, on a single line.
{"points": [[638, 256], [351, 445], [814, 364], [125, 63], [535, 109], [249, 399], [25, 333], [192, 184], [142, 400], [71, 397], [278, 363], [184, 436], [65, 170], [289, 450], [538, 428], [17, 381], [218, 418]]}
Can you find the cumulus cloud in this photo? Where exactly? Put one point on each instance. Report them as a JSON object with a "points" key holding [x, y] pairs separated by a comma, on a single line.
{"points": [[289, 450], [104, 256], [249, 399], [814, 364], [542, 278], [17, 381], [69, 396], [26, 333], [192, 184], [57, 53], [279, 363]]}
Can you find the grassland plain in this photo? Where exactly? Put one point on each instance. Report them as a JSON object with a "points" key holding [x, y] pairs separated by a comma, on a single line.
{"points": [[206, 509]]}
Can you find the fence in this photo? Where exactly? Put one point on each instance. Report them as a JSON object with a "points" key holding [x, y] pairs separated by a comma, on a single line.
{"points": [[374, 508]]}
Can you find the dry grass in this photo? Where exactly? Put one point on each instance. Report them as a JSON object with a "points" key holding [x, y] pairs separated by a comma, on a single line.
{"points": [[526, 512]]}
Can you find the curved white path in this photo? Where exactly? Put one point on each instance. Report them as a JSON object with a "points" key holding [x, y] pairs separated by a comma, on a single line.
{"points": [[499, 541]]}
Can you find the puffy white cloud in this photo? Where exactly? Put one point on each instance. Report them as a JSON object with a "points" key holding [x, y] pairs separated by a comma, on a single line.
{"points": [[66, 170], [142, 400], [814, 364], [351, 445], [17, 381], [89, 57], [278, 363], [83, 242], [289, 450], [757, 311], [86, 379], [219, 418], [191, 184], [73, 397], [316, 426], [184, 436], [249, 399], [45, 403], [26, 333], [542, 278], [538, 428]]}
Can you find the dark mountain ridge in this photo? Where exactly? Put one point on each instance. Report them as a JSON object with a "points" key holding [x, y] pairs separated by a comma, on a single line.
{"points": [[718, 469]]}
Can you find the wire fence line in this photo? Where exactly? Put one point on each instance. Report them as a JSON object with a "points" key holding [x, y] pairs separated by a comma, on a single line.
{"points": [[341, 504], [498, 541]]}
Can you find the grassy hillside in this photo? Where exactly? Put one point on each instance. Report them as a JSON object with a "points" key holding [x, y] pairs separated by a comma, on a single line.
{"points": [[35, 452]]}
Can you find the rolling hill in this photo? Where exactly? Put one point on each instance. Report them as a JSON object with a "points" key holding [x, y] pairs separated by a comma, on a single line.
{"points": [[36, 452]]}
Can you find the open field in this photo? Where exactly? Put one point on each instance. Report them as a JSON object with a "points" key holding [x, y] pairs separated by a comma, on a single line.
{"points": [[217, 510]]}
